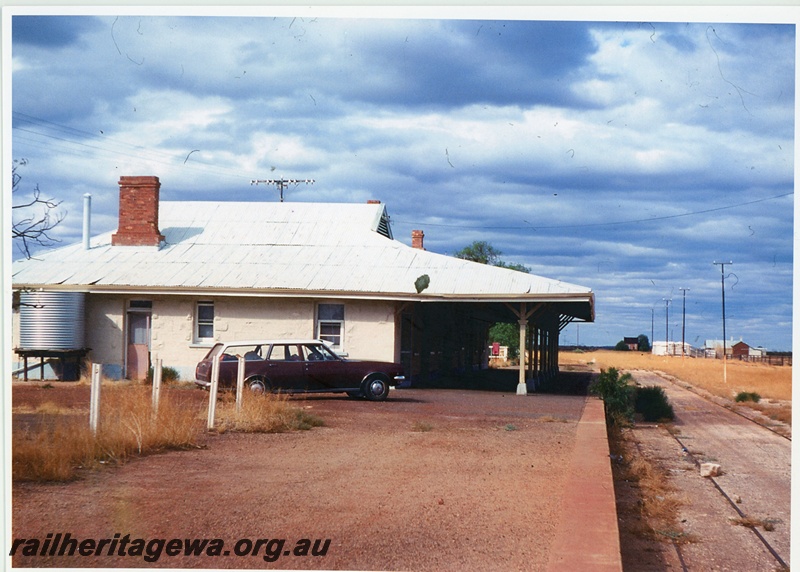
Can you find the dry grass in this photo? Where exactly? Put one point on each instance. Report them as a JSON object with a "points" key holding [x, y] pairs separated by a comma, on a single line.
{"points": [[782, 413], [267, 413], [60, 443], [752, 522], [421, 427], [771, 382], [658, 505], [552, 419]]}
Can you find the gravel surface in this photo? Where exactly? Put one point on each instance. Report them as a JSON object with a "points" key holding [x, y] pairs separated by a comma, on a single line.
{"points": [[428, 480], [756, 477]]}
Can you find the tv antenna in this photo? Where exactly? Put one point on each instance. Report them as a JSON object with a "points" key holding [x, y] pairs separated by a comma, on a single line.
{"points": [[281, 183]]}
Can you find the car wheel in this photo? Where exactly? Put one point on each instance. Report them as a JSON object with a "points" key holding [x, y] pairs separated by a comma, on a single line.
{"points": [[376, 388], [258, 386]]}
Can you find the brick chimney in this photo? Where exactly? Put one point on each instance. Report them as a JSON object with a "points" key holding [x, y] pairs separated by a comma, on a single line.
{"points": [[417, 238], [138, 212]]}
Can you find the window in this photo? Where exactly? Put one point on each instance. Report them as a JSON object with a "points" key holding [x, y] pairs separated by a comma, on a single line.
{"points": [[282, 352], [139, 314], [330, 324], [204, 321]]}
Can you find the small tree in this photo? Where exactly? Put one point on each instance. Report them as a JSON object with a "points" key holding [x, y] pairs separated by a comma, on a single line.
{"points": [[506, 335], [479, 251], [644, 343], [33, 217], [617, 394], [621, 346], [513, 266]]}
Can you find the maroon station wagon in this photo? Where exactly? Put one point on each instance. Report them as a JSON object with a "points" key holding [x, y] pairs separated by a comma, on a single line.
{"points": [[297, 366]]}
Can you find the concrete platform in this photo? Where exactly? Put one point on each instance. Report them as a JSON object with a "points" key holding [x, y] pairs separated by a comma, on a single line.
{"points": [[587, 537]]}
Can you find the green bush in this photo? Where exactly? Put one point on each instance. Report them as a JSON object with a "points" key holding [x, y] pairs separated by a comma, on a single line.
{"points": [[748, 396], [652, 403], [617, 394], [168, 375]]}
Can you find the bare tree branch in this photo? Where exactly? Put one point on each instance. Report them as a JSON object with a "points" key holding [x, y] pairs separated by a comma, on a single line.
{"points": [[34, 217]]}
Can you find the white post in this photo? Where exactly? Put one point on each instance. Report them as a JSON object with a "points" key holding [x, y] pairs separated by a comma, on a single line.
{"points": [[94, 399], [239, 384], [212, 392], [522, 387], [156, 384]]}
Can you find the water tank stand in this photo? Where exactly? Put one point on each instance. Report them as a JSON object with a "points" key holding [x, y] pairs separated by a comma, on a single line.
{"points": [[64, 357]]}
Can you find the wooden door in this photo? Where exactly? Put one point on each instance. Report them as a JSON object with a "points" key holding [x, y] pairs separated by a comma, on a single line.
{"points": [[138, 358]]}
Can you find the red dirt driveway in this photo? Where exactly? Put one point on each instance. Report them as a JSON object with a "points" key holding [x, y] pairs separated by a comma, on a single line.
{"points": [[428, 480]]}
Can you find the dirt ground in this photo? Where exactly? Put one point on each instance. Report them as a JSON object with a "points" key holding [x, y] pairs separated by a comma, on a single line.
{"points": [[754, 485], [707, 532], [431, 479], [428, 480]]}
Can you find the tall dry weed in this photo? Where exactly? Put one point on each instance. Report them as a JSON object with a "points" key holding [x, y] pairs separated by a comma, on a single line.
{"points": [[56, 446], [264, 413]]}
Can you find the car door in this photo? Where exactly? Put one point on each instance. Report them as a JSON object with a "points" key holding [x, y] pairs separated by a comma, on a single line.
{"points": [[324, 369], [286, 367]]}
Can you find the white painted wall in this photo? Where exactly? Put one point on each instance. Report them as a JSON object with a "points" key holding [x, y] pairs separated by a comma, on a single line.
{"points": [[369, 327], [370, 330]]}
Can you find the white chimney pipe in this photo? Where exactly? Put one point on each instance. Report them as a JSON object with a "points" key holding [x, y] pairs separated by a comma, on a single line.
{"points": [[87, 219]]}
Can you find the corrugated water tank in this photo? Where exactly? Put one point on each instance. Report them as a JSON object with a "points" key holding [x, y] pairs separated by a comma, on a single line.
{"points": [[52, 320]]}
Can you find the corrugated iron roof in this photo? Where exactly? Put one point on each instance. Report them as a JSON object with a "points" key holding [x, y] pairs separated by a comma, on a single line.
{"points": [[282, 249]]}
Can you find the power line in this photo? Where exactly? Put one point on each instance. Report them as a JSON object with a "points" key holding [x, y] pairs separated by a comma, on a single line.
{"points": [[103, 144], [596, 224]]}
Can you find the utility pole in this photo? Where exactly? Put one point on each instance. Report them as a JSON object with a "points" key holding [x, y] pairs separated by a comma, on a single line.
{"points": [[652, 328], [281, 183], [724, 334], [683, 327], [666, 323]]}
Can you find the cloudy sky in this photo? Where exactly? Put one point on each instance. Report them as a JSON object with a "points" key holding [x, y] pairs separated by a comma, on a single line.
{"points": [[626, 156]]}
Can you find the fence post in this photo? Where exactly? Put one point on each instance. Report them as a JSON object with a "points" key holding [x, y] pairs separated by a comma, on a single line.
{"points": [[239, 384], [212, 391], [94, 399], [156, 384]]}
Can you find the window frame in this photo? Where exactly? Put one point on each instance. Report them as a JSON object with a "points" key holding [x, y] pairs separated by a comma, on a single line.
{"points": [[339, 323], [200, 322]]}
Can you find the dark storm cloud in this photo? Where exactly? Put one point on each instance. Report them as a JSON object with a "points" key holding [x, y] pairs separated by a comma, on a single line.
{"points": [[623, 156], [460, 63], [50, 31]]}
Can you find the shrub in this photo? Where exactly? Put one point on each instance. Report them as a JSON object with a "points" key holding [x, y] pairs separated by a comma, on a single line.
{"points": [[748, 396], [617, 394], [168, 375], [652, 403]]}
